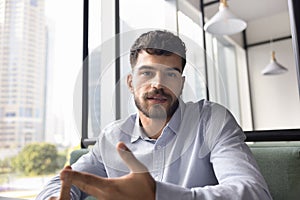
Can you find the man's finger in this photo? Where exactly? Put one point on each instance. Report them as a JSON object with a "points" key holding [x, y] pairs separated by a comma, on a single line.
{"points": [[133, 164], [65, 185], [88, 183]]}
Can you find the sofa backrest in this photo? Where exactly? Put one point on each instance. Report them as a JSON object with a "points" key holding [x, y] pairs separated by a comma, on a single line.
{"points": [[279, 163]]}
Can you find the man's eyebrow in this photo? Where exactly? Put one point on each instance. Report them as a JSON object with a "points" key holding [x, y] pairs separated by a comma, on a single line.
{"points": [[146, 67], [153, 68], [174, 68]]}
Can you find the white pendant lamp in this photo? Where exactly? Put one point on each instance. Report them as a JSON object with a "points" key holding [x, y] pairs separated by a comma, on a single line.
{"points": [[274, 67], [224, 22]]}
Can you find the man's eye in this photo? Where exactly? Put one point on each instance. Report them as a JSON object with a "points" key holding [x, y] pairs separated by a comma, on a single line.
{"points": [[147, 73], [172, 74]]}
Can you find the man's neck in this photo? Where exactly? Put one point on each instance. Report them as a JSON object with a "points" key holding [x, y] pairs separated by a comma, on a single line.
{"points": [[153, 127]]}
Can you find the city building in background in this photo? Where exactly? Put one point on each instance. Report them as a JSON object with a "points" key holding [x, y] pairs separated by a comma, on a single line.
{"points": [[23, 64]]}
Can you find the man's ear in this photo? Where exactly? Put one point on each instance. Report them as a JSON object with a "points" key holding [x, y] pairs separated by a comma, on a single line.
{"points": [[129, 82]]}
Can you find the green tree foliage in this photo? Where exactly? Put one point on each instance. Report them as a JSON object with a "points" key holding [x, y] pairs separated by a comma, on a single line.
{"points": [[5, 166], [38, 159]]}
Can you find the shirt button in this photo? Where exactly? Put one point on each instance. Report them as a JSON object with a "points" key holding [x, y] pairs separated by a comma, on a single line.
{"points": [[158, 147], [156, 177]]}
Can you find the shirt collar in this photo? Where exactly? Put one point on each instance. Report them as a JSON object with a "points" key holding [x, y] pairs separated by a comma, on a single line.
{"points": [[137, 131]]}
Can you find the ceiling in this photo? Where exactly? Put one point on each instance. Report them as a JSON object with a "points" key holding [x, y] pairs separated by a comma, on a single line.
{"points": [[248, 10]]}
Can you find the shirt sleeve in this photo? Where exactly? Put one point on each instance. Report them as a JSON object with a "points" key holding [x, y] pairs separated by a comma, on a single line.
{"points": [[52, 189], [90, 163], [233, 163]]}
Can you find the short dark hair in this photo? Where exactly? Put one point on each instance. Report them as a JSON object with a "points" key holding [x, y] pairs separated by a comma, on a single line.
{"points": [[158, 43]]}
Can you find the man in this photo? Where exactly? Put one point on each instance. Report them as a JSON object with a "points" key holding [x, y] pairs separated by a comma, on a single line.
{"points": [[174, 150]]}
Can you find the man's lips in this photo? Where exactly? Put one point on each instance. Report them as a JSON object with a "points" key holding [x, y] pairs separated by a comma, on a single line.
{"points": [[157, 98]]}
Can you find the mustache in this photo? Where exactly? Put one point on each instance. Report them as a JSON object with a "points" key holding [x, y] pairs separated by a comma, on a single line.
{"points": [[155, 92]]}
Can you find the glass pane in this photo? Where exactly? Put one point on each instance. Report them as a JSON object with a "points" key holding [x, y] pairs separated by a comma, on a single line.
{"points": [[191, 33], [137, 14], [40, 58], [101, 66], [223, 76], [221, 65], [136, 17], [94, 63]]}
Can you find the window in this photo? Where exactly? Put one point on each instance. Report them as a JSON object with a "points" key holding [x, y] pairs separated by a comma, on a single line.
{"points": [[104, 103], [191, 33], [40, 75], [34, 3], [152, 14], [10, 114], [224, 77], [95, 71], [110, 100], [220, 58]]}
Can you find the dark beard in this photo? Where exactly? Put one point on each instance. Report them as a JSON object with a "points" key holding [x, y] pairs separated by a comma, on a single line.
{"points": [[157, 111]]}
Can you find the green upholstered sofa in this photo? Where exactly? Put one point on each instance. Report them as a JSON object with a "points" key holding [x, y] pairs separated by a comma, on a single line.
{"points": [[279, 163]]}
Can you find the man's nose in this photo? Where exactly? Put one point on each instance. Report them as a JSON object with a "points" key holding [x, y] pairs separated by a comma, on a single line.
{"points": [[158, 81]]}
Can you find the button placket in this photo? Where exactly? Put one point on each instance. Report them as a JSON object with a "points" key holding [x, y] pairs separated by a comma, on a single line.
{"points": [[158, 162]]}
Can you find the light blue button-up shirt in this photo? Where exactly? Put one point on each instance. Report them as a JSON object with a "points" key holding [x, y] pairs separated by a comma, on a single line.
{"points": [[200, 154]]}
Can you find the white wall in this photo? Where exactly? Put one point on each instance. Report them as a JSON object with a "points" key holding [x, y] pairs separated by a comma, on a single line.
{"points": [[275, 99]]}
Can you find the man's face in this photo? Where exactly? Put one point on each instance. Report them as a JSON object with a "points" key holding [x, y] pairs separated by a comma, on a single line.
{"points": [[156, 83]]}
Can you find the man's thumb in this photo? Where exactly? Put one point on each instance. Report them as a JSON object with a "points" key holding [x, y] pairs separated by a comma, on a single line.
{"points": [[133, 164]]}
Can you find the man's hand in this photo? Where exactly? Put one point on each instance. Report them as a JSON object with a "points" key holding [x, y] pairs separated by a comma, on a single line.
{"points": [[135, 186], [65, 187]]}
